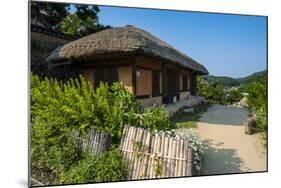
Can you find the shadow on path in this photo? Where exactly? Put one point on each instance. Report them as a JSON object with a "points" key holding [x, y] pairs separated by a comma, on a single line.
{"points": [[219, 161], [225, 115]]}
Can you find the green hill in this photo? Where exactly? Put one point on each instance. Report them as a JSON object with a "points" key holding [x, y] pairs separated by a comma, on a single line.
{"points": [[256, 77], [229, 81]]}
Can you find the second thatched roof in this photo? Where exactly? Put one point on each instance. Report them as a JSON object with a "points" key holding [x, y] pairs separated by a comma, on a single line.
{"points": [[122, 41]]}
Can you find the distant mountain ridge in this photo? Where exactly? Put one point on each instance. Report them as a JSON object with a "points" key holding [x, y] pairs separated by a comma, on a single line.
{"points": [[229, 81]]}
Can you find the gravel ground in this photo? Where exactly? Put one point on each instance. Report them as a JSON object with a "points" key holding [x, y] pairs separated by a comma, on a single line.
{"points": [[227, 148]]}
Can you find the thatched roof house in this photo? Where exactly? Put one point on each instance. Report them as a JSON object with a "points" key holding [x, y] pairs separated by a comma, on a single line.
{"points": [[149, 67]]}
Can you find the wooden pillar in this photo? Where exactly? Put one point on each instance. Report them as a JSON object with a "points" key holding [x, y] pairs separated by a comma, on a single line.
{"points": [[164, 82], [178, 83], [193, 83], [134, 78]]}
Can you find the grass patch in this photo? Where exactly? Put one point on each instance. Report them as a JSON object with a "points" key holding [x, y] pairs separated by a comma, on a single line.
{"points": [[189, 120]]}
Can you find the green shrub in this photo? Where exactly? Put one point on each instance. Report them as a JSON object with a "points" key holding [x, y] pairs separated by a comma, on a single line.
{"points": [[233, 96], [58, 108], [154, 119], [257, 101], [108, 166]]}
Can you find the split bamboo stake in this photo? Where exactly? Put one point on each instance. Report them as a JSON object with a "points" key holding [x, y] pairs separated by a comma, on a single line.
{"points": [[181, 156], [177, 156], [142, 155], [138, 152], [189, 162], [131, 153], [170, 155], [166, 151], [185, 157]]}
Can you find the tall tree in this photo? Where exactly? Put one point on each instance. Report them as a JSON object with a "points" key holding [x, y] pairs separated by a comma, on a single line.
{"points": [[48, 14], [72, 19]]}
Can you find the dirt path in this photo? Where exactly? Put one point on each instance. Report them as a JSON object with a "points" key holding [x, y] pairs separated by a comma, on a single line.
{"points": [[228, 148]]}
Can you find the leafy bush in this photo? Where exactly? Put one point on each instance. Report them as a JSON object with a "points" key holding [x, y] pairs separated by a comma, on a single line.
{"points": [[233, 96], [108, 166], [257, 101], [58, 108], [154, 119], [214, 93]]}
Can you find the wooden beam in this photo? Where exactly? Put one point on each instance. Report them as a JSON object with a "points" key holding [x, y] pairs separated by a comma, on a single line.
{"points": [[134, 77]]}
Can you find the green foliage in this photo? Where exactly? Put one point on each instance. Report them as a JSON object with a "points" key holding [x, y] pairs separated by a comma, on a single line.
{"points": [[155, 119], [58, 108], [257, 101], [72, 24], [56, 11], [233, 96], [222, 80], [82, 21], [213, 93], [259, 77], [108, 166], [76, 105], [157, 166]]}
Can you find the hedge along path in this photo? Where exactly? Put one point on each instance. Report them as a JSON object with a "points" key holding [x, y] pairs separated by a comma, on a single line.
{"points": [[155, 156]]}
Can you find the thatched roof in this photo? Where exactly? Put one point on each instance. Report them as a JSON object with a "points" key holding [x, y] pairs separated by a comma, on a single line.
{"points": [[122, 41]]}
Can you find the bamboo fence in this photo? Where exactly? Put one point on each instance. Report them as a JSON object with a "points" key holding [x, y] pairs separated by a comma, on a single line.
{"points": [[155, 156], [94, 140]]}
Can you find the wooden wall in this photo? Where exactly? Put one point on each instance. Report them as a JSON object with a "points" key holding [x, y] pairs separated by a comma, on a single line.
{"points": [[147, 63], [125, 76], [144, 82], [141, 84], [88, 75]]}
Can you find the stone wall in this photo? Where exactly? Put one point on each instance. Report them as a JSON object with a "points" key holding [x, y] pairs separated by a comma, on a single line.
{"points": [[147, 102]]}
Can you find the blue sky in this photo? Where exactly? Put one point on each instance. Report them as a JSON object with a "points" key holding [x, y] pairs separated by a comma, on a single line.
{"points": [[228, 45]]}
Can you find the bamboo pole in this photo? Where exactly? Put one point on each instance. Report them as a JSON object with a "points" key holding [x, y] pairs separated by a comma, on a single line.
{"points": [[155, 154], [138, 154], [124, 136], [166, 152], [131, 153], [162, 154], [146, 157], [97, 141], [135, 159], [150, 165], [141, 166], [177, 156], [173, 156], [189, 162], [170, 155], [127, 142], [94, 141], [185, 157], [181, 156]]}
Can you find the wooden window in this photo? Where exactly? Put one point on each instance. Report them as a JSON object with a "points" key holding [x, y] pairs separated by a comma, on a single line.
{"points": [[111, 75], [184, 82], [155, 83], [106, 75]]}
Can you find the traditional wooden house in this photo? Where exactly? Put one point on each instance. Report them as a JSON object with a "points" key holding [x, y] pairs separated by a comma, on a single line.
{"points": [[151, 69]]}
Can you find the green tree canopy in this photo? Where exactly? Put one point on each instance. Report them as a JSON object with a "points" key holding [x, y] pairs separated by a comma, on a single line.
{"points": [[72, 19]]}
